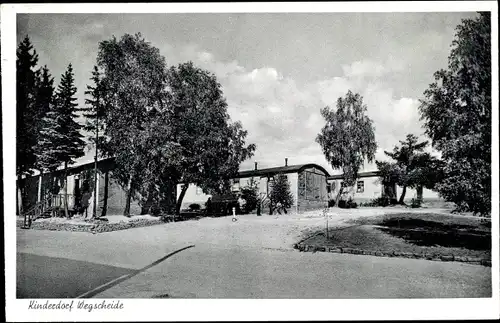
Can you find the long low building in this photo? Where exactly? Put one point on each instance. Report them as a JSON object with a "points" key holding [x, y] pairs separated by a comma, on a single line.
{"points": [[310, 184]]}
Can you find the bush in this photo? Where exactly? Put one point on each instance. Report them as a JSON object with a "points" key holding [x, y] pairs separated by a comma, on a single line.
{"points": [[415, 203], [194, 207], [250, 195], [331, 203], [349, 204]]}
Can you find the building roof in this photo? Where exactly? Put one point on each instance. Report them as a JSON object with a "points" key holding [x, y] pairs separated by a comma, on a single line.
{"points": [[279, 170], [360, 175]]}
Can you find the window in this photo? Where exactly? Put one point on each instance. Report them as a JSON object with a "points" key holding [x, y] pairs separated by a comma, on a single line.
{"points": [[342, 185], [360, 187]]}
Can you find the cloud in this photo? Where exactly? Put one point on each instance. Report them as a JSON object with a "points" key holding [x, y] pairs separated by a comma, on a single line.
{"points": [[283, 118]]}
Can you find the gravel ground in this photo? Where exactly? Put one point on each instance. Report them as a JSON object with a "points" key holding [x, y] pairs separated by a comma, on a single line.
{"points": [[254, 258]]}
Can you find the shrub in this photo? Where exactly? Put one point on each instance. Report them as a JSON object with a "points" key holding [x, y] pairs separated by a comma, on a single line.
{"points": [[415, 203], [250, 195], [331, 203], [194, 207], [380, 201], [349, 204]]}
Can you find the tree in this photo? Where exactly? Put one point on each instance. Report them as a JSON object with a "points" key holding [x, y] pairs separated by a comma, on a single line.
{"points": [[94, 113], [26, 93], [46, 149], [250, 194], [71, 143], [205, 147], [390, 176], [406, 158], [412, 167], [133, 79], [348, 138], [456, 112], [281, 197]]}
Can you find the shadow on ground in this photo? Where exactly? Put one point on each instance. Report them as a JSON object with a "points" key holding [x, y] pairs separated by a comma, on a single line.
{"points": [[430, 233]]}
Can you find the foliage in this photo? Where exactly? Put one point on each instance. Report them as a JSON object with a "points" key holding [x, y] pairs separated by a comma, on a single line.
{"points": [[48, 152], [205, 147], [249, 193], [348, 137], [132, 84], [331, 203], [412, 167], [416, 203], [95, 111], [26, 94], [281, 197], [347, 204], [457, 116], [194, 207], [71, 143]]}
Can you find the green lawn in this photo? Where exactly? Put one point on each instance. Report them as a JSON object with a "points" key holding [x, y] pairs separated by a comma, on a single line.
{"points": [[429, 234]]}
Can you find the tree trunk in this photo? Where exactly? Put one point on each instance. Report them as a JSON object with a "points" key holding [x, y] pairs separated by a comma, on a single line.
{"points": [[420, 193], [66, 212], [179, 200], [106, 193], [126, 212], [40, 186], [402, 198], [337, 199], [19, 195]]}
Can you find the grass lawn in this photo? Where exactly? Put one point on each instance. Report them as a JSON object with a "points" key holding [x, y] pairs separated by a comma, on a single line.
{"points": [[425, 233]]}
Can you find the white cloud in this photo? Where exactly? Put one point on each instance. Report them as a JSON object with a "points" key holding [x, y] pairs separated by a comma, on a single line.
{"points": [[283, 118]]}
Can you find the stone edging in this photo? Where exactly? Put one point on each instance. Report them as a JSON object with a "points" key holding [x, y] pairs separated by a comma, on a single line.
{"points": [[91, 227], [309, 248]]}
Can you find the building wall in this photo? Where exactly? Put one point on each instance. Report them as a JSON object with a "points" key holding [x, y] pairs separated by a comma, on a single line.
{"points": [[116, 198], [311, 190], [194, 194], [373, 189]]}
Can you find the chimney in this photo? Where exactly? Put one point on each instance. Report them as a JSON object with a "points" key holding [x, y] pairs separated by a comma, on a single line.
{"points": [[255, 165], [286, 161]]}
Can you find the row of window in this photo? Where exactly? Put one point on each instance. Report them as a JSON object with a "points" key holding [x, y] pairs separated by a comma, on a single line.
{"points": [[360, 187]]}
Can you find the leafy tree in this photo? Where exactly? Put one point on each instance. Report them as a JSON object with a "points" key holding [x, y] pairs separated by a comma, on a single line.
{"points": [[70, 142], [348, 137], [205, 147], [26, 81], [406, 161], [456, 112], [412, 167], [133, 80], [390, 175], [281, 197], [250, 194]]}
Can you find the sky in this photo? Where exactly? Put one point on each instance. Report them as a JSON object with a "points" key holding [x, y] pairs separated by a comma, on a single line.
{"points": [[277, 70]]}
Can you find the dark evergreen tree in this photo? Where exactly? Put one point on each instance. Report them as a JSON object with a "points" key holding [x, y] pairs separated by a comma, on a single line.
{"points": [[47, 151], [26, 81], [281, 197], [71, 139]]}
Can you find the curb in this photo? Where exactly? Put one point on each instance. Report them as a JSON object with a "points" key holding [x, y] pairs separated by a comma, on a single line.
{"points": [[470, 260]]}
